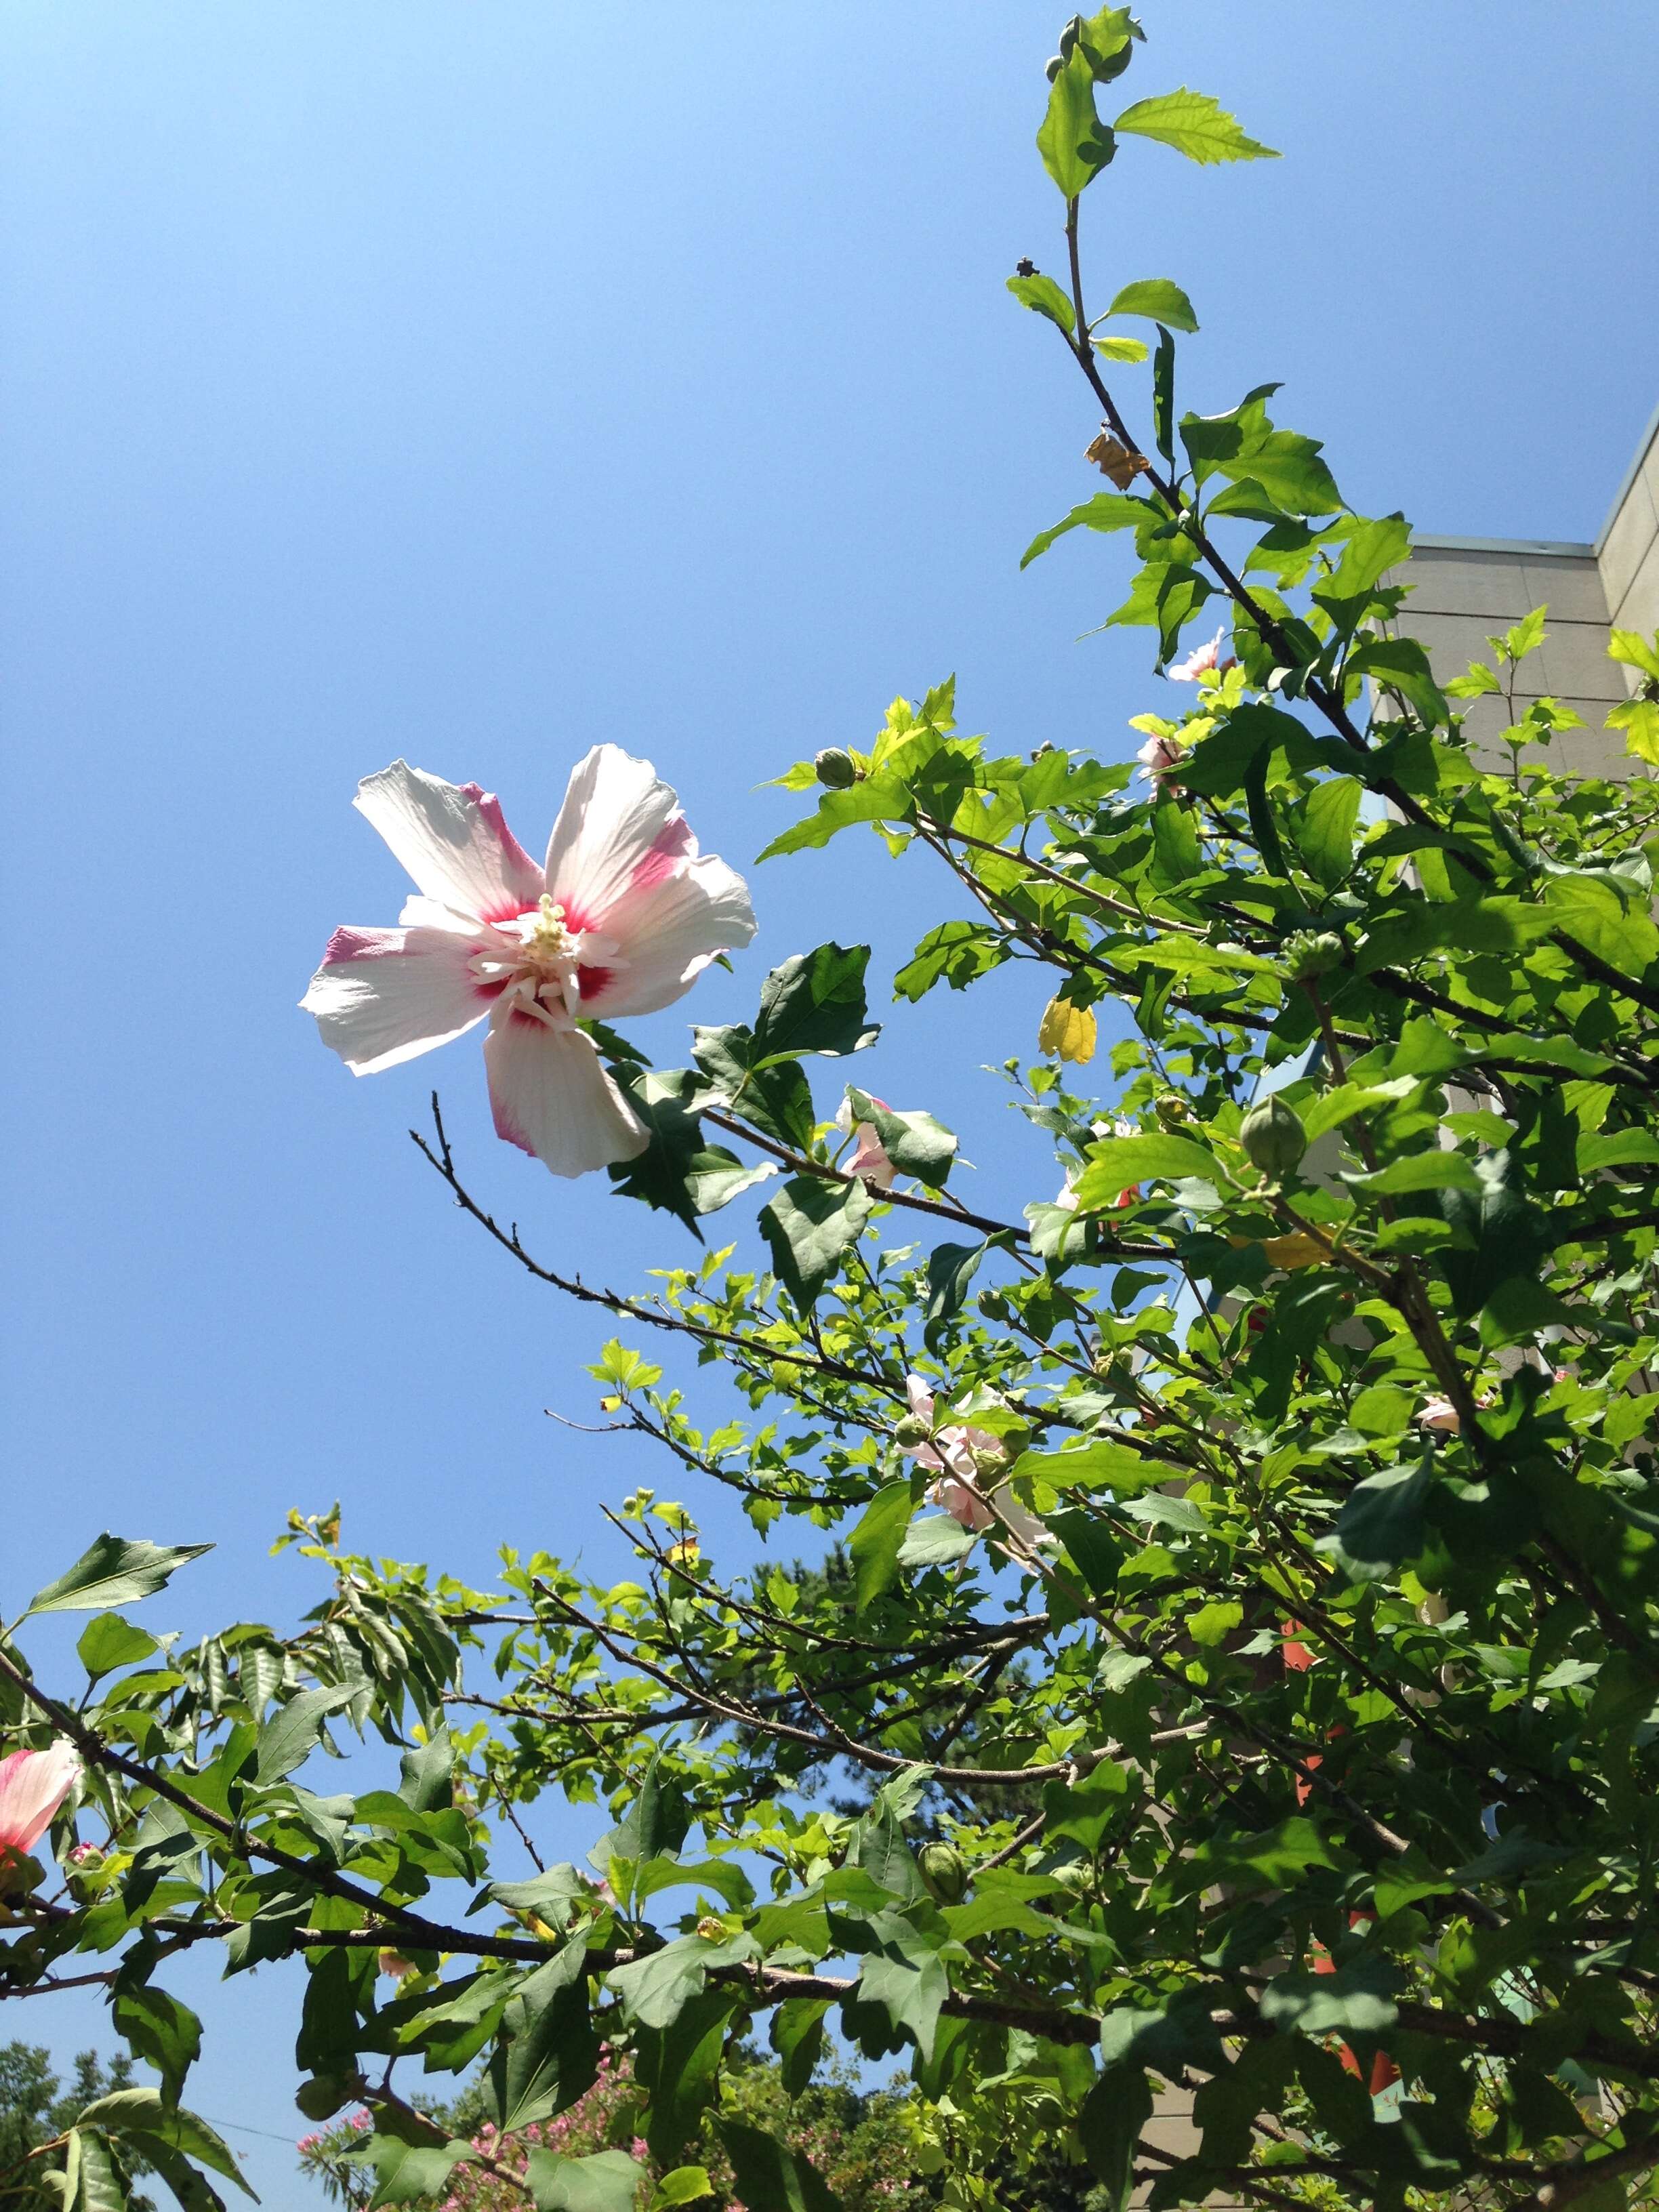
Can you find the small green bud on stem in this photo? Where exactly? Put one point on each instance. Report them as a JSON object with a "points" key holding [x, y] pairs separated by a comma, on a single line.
{"points": [[835, 769], [945, 1871]]}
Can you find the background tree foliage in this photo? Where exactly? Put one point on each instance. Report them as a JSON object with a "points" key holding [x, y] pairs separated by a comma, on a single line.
{"points": [[1286, 1732]]}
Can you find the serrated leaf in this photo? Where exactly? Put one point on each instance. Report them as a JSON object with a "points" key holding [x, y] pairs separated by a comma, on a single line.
{"points": [[605, 2181], [1195, 125], [114, 1570]]}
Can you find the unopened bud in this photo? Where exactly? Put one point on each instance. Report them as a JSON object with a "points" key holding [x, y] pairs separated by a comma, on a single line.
{"points": [[1053, 66], [987, 1459], [911, 1430], [1069, 37], [711, 1928], [1171, 1109], [1310, 953], [835, 769], [945, 1871], [1274, 1138], [994, 1305]]}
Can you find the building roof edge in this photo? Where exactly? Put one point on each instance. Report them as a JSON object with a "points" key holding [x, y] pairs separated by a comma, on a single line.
{"points": [[1628, 479], [1560, 547]]}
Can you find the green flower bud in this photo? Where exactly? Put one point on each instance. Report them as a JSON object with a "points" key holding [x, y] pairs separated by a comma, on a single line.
{"points": [[994, 1305], [835, 769], [1053, 66], [1274, 1138], [1310, 953], [945, 1871], [1171, 1109], [910, 1430]]}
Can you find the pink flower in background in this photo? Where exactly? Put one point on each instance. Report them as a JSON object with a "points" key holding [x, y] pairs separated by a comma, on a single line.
{"points": [[1440, 1415], [1159, 757], [1197, 662], [33, 1785], [960, 1456], [622, 919], [869, 1160]]}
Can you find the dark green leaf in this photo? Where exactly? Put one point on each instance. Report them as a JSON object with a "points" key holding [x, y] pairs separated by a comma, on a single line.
{"points": [[161, 2030], [109, 1642], [144, 2112], [915, 1143], [797, 2036], [810, 1226], [114, 1570], [769, 2175], [815, 1002], [294, 1730], [875, 1540], [548, 2052], [1381, 1526], [679, 2067]]}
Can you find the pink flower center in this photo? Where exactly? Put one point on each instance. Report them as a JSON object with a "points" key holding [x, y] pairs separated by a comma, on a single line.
{"points": [[538, 965]]}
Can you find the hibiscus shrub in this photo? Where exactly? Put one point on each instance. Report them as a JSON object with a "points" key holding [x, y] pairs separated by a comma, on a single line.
{"points": [[1238, 1685]]}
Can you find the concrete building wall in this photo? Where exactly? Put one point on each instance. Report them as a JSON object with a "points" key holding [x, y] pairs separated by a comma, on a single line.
{"points": [[1465, 589]]}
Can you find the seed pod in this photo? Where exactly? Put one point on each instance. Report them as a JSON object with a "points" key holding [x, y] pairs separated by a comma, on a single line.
{"points": [[1274, 1138], [910, 1430], [1310, 953], [835, 769], [945, 1871]]}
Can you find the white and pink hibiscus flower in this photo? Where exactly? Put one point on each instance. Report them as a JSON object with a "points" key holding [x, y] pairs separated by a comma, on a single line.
{"points": [[869, 1158], [33, 1785], [966, 1461], [622, 918], [1199, 662]]}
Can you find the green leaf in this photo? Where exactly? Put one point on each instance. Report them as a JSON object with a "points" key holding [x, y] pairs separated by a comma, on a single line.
{"points": [[1195, 125], [114, 1570], [776, 1098], [1094, 1550], [875, 1540], [605, 2181], [1273, 1859], [797, 2036], [1106, 511], [409, 2172], [294, 1730], [1430, 1170], [950, 1268], [1114, 346], [1401, 664], [815, 1002], [935, 1540], [769, 2177], [1101, 1463], [547, 2053], [1381, 1526], [160, 2029], [1118, 1164], [427, 1774], [680, 1172], [1075, 145], [883, 796], [1108, 2126], [810, 1226], [1372, 550], [915, 1143], [1044, 297], [1158, 300], [678, 2068], [1356, 2000], [109, 1642], [92, 2183], [143, 2112], [1324, 835], [1630, 646], [1332, 1108], [1164, 432], [682, 2186], [656, 1989]]}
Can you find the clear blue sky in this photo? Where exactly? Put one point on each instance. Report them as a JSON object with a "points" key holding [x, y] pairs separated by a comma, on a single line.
{"points": [[474, 383]]}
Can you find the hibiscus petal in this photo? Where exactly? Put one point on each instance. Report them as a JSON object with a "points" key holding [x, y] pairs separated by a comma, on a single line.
{"points": [[386, 995], [667, 933], [453, 839], [553, 1096], [33, 1785]]}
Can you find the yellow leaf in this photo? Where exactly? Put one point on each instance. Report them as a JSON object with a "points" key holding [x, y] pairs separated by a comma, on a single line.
{"points": [[1114, 459], [1067, 1030], [1297, 1251]]}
